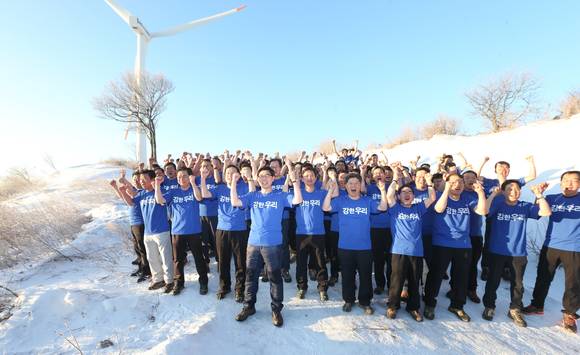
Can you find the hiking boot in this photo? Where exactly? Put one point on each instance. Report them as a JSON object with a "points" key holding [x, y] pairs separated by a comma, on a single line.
{"points": [[203, 290], [416, 315], [391, 313], [323, 296], [531, 309], [378, 290], [488, 313], [484, 273], [245, 313], [429, 312], [143, 278], [286, 276], [347, 307], [569, 322], [135, 262], [168, 287], [264, 276], [446, 276], [506, 274], [222, 294], [332, 281], [292, 257], [177, 289], [404, 295], [516, 316], [472, 295], [460, 313], [277, 319], [449, 294], [135, 273], [367, 309], [301, 294], [239, 298], [157, 285], [312, 273]]}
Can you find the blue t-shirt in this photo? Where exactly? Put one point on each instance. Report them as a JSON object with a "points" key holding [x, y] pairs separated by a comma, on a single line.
{"points": [[309, 214], [427, 221], [135, 215], [334, 215], [451, 228], [169, 184], [278, 186], [475, 221], [406, 227], [354, 221], [508, 226], [564, 225], [154, 215], [230, 218], [379, 220], [489, 184], [266, 211], [184, 211], [208, 207]]}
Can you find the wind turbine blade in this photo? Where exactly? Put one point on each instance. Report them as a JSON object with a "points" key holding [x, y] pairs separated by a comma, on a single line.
{"points": [[201, 21], [124, 14]]}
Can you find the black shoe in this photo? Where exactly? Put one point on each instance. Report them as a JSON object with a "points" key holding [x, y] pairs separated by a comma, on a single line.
{"points": [[484, 273], [168, 287], [203, 290], [277, 319], [313, 274], [347, 307], [416, 315], [473, 297], [506, 274], [222, 294], [445, 276], [378, 290], [449, 294], [245, 313], [391, 313], [531, 309], [332, 281], [135, 262], [177, 289], [135, 273], [264, 276], [488, 313], [516, 316], [460, 313], [286, 276], [292, 258], [143, 278], [429, 312], [323, 296], [157, 285], [301, 294], [404, 295], [367, 309], [239, 298]]}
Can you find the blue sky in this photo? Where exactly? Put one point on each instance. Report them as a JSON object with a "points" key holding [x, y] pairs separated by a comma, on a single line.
{"points": [[279, 76]]}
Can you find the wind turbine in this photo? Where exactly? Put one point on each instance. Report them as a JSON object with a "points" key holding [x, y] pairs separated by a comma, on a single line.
{"points": [[143, 38]]}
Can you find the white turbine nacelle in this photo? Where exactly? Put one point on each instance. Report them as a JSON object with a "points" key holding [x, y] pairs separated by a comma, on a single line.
{"points": [[143, 38]]}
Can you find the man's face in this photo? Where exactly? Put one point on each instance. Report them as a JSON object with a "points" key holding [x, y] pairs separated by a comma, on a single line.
{"points": [[275, 165], [469, 180], [137, 181], [146, 181], [378, 175], [183, 179], [309, 178], [160, 173], [342, 180], [340, 166], [457, 185], [406, 196], [229, 172], [388, 177], [502, 170], [170, 171], [420, 180], [374, 160], [439, 184], [353, 187], [570, 184], [246, 172], [344, 152], [265, 180], [512, 192], [216, 163]]}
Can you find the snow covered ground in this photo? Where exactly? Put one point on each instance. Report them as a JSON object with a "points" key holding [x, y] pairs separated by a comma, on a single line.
{"points": [[92, 298]]}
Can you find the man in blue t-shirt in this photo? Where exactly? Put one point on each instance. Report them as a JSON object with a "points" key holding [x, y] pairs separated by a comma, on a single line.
{"points": [[354, 243], [451, 244], [265, 240], [507, 243], [562, 246], [183, 203], [208, 209]]}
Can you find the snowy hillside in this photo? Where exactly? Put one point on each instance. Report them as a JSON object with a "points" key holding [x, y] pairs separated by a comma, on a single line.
{"points": [[92, 298]]}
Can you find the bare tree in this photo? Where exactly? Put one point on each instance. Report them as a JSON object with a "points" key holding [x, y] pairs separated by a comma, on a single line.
{"points": [[441, 125], [505, 102], [571, 105], [136, 102]]}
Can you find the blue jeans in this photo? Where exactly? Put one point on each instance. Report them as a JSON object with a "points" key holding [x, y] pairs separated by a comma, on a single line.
{"points": [[272, 257]]}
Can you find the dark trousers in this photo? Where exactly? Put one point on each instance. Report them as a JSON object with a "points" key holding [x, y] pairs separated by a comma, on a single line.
{"points": [[327, 232], [428, 249], [460, 258], [476, 248], [271, 256], [230, 243], [333, 253], [285, 246], [308, 244], [410, 268], [485, 250], [181, 244], [550, 259], [208, 229], [138, 233], [517, 266], [352, 261], [381, 241], [292, 232]]}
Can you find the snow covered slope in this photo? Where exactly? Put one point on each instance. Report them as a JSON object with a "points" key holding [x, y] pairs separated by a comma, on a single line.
{"points": [[92, 298]]}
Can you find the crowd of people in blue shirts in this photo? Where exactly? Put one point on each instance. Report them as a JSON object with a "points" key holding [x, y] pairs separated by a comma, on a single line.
{"points": [[367, 219]]}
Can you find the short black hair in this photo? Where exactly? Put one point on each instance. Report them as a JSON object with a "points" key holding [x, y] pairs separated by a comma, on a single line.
{"points": [[436, 176], [149, 173], [309, 167], [268, 169], [453, 174], [137, 173], [245, 164], [378, 167], [169, 164], [353, 176], [278, 160], [469, 172], [508, 182], [422, 168], [403, 186], [232, 166], [186, 169], [573, 172], [502, 162]]}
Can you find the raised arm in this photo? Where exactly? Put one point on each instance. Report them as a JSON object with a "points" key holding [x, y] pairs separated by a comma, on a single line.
{"points": [[489, 201], [332, 193], [441, 204], [125, 196], [392, 194], [297, 199], [205, 193], [481, 208], [432, 197], [158, 194], [334, 148], [532, 172], [234, 198], [485, 160], [538, 190], [383, 205], [196, 192]]}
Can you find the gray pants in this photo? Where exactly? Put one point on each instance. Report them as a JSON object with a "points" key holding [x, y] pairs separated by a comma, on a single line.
{"points": [[160, 256]]}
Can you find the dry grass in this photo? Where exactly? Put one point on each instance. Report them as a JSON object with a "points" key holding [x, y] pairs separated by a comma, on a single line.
{"points": [[121, 162], [18, 181], [571, 105]]}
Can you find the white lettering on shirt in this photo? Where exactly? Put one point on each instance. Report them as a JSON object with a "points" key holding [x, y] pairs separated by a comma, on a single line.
{"points": [[354, 210], [307, 203], [457, 211], [565, 208], [267, 204], [514, 217], [408, 216]]}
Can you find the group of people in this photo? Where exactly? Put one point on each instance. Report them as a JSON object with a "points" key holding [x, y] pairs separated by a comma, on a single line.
{"points": [[362, 215]]}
